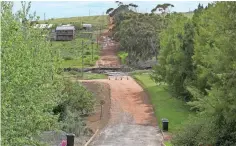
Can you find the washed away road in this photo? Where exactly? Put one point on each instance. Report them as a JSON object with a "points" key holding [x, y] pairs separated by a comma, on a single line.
{"points": [[132, 121]]}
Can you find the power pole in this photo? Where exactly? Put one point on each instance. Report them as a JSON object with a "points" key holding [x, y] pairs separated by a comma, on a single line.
{"points": [[92, 50], [100, 29], [44, 17], [82, 71], [89, 12], [97, 40]]}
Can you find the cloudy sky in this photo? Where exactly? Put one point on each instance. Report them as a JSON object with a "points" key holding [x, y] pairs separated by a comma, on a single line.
{"points": [[61, 9]]}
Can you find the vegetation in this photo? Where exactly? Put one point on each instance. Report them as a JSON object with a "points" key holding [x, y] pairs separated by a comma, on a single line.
{"points": [[31, 83], [99, 21], [71, 52], [77, 102], [123, 55], [86, 76], [165, 106], [197, 61]]}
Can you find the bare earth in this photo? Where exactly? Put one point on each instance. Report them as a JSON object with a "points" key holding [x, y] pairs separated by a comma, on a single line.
{"points": [[131, 121], [108, 54]]}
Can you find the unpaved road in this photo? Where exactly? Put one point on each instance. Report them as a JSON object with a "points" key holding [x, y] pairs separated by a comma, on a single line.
{"points": [[108, 57], [132, 121]]}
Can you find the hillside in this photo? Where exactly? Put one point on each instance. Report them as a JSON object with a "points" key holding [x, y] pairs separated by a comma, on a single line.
{"points": [[94, 20]]}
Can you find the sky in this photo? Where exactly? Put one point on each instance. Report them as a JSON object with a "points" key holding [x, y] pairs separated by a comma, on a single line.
{"points": [[62, 9]]}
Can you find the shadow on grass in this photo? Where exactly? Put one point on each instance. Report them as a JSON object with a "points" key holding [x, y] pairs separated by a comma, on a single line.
{"points": [[165, 106]]}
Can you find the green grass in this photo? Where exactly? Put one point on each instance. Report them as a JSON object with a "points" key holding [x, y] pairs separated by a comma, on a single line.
{"points": [[167, 143], [86, 76], [176, 111], [122, 55], [188, 14], [71, 52], [96, 21]]}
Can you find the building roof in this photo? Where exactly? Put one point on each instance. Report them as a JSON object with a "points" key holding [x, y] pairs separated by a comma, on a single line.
{"points": [[87, 25], [65, 28], [43, 26]]}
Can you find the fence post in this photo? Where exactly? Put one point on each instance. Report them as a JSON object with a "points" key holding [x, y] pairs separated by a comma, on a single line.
{"points": [[92, 50], [82, 71]]}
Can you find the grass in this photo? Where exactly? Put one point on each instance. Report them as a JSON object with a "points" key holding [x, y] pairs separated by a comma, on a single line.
{"points": [[86, 76], [71, 52], [167, 143], [165, 106], [99, 20], [188, 14], [122, 55]]}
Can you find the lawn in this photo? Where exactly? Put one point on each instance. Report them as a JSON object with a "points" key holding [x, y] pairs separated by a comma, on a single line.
{"points": [[71, 52], [165, 106], [86, 75]]}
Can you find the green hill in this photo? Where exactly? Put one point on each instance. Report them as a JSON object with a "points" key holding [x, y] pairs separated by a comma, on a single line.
{"points": [[94, 20]]}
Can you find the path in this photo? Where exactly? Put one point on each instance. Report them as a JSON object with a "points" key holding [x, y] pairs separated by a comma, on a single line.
{"points": [[132, 120], [108, 56]]}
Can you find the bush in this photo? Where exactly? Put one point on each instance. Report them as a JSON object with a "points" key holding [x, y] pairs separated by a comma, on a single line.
{"points": [[73, 72], [76, 104], [68, 58], [87, 53], [96, 57]]}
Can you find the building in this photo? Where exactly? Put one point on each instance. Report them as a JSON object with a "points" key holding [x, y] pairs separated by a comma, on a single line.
{"points": [[65, 33], [87, 26], [43, 26]]}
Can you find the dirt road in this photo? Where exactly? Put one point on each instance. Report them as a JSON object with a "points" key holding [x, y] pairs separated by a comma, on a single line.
{"points": [[132, 120], [108, 55]]}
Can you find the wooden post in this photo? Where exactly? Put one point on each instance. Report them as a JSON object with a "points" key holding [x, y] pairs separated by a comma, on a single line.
{"points": [[92, 50], [82, 71], [102, 102], [97, 40]]}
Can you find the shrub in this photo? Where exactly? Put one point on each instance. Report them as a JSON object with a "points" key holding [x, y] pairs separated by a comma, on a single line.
{"points": [[87, 53], [96, 57], [77, 103], [68, 58]]}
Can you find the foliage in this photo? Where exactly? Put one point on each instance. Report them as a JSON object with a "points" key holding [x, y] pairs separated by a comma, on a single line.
{"points": [[123, 55], [30, 85], [76, 103], [138, 35], [162, 7], [175, 62], [197, 61]]}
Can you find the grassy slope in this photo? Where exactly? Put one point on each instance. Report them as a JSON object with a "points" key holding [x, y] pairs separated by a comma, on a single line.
{"points": [[188, 14], [165, 106], [86, 76], [71, 53], [94, 20]]}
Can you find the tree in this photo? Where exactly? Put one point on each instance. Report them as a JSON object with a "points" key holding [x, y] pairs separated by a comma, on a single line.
{"points": [[109, 10], [163, 8], [214, 89], [176, 49], [30, 84]]}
